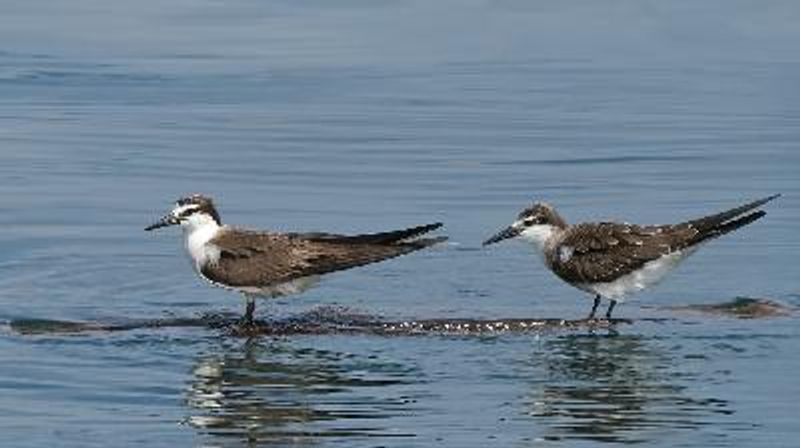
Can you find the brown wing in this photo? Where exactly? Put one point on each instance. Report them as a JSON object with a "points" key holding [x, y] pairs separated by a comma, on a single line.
{"points": [[390, 237], [263, 259], [601, 252]]}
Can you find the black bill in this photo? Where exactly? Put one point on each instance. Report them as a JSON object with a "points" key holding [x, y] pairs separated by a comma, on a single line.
{"points": [[508, 232], [166, 221]]}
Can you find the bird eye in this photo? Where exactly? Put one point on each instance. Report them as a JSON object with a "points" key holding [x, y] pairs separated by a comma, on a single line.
{"points": [[529, 221], [185, 213]]}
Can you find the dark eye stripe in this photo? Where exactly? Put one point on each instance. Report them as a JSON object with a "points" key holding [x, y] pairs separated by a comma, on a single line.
{"points": [[188, 212]]}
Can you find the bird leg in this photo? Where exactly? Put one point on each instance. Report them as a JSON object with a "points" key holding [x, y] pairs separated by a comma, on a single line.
{"points": [[594, 307], [610, 308], [247, 319]]}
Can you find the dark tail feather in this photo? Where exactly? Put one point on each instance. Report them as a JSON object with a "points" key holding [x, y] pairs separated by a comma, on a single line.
{"points": [[720, 220], [387, 251], [425, 242], [395, 236], [406, 247], [729, 226], [400, 237]]}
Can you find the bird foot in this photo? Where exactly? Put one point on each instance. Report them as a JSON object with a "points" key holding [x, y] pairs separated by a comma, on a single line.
{"points": [[246, 328], [601, 321]]}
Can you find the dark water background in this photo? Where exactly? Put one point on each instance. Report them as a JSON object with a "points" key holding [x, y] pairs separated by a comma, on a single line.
{"points": [[356, 116]]}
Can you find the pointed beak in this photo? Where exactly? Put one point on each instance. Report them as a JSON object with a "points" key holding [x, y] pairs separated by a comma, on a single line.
{"points": [[166, 221], [508, 232]]}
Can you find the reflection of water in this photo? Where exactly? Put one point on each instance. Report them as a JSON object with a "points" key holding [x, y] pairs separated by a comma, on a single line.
{"points": [[271, 393], [615, 388]]}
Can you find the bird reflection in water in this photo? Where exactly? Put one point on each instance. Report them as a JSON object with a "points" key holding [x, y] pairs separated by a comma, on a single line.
{"points": [[614, 388], [266, 393]]}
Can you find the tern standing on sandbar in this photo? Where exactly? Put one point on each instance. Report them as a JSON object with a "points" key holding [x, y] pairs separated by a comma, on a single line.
{"points": [[612, 260], [271, 264]]}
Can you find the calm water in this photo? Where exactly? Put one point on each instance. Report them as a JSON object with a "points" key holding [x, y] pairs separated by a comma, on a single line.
{"points": [[365, 116]]}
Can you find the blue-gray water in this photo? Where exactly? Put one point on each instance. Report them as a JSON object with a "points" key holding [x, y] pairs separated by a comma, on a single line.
{"points": [[356, 116]]}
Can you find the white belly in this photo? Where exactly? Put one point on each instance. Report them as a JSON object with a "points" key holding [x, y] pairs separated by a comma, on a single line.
{"points": [[295, 286], [648, 275]]}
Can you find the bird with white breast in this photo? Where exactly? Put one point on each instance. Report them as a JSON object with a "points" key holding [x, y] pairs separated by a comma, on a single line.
{"points": [[272, 264], [613, 260]]}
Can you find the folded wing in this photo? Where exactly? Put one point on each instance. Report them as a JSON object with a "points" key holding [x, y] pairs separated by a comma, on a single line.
{"points": [[262, 259], [601, 252]]}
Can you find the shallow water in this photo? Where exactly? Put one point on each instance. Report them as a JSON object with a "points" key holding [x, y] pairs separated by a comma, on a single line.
{"points": [[365, 116]]}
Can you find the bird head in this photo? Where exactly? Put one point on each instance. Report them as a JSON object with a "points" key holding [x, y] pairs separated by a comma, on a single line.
{"points": [[191, 211], [534, 223]]}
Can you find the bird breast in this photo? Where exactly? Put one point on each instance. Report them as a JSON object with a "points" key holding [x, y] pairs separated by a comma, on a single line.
{"points": [[199, 247]]}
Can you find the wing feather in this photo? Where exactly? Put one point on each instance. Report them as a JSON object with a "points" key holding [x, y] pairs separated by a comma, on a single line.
{"points": [[601, 252], [263, 259]]}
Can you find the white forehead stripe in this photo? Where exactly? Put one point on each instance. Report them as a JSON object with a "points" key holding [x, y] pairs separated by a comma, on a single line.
{"points": [[179, 209]]}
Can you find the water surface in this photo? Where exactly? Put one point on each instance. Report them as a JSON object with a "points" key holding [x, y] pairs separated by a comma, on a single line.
{"points": [[363, 116]]}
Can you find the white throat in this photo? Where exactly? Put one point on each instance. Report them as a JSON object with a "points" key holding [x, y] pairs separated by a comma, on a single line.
{"points": [[198, 230], [540, 235]]}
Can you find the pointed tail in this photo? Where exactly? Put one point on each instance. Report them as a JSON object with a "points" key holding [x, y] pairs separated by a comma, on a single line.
{"points": [[395, 237], [713, 226]]}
